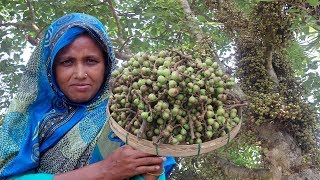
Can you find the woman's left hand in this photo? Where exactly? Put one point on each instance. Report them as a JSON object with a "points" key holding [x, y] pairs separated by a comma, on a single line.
{"points": [[154, 174]]}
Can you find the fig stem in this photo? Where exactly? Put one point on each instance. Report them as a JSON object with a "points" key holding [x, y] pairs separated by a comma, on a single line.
{"points": [[142, 129], [145, 101], [157, 141], [125, 109], [198, 72], [191, 126], [178, 63], [128, 126], [130, 88], [204, 111], [182, 55], [127, 119]]}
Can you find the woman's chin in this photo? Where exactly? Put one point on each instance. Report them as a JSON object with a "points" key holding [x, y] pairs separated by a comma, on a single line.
{"points": [[80, 99]]}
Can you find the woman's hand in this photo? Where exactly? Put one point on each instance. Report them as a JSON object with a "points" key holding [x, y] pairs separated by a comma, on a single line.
{"points": [[126, 162], [123, 163], [154, 174]]}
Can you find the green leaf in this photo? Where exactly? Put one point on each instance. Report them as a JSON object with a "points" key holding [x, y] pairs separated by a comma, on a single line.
{"points": [[201, 18], [154, 32], [314, 3]]}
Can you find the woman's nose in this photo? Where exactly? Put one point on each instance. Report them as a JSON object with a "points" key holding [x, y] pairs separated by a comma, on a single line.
{"points": [[80, 72]]}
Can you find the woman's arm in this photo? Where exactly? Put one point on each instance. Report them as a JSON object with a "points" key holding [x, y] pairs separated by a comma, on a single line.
{"points": [[123, 163]]}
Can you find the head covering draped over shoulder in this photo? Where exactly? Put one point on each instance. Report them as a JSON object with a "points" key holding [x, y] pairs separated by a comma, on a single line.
{"points": [[43, 131]]}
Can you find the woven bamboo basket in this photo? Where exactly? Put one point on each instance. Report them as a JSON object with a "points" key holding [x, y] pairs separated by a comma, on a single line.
{"points": [[168, 149]]}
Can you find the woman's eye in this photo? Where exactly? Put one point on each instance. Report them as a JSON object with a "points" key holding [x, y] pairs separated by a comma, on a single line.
{"points": [[92, 61], [67, 62]]}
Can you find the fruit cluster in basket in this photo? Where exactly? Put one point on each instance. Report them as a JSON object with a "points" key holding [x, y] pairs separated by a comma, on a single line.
{"points": [[173, 98]]}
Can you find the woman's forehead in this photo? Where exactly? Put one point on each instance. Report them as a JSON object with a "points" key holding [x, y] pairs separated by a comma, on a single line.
{"points": [[84, 42]]}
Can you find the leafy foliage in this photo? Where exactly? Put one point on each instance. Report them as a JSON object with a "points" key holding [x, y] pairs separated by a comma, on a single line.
{"points": [[306, 69], [149, 26]]}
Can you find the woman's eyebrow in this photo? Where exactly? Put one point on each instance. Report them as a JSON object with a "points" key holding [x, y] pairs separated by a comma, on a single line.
{"points": [[61, 57], [93, 56]]}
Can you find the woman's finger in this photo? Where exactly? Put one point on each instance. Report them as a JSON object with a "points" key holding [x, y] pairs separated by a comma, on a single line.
{"points": [[147, 161], [138, 154], [135, 153], [146, 169]]}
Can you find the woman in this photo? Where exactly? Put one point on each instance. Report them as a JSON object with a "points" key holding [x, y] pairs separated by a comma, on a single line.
{"points": [[57, 125]]}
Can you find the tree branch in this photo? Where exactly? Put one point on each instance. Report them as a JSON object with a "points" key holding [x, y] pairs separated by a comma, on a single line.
{"points": [[269, 66], [30, 10], [191, 21], [32, 16], [240, 172], [120, 38], [116, 17], [29, 38], [122, 55], [126, 14], [18, 25]]}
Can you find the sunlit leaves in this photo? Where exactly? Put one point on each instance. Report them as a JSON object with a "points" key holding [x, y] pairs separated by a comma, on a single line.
{"points": [[307, 70], [313, 3]]}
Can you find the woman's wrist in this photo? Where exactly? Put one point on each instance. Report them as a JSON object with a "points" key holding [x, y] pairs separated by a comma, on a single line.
{"points": [[150, 177], [95, 171], [154, 175]]}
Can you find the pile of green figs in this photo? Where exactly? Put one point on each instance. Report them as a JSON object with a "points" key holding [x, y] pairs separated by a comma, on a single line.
{"points": [[173, 98]]}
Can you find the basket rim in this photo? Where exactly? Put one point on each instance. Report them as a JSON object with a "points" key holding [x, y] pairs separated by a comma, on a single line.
{"points": [[180, 150]]}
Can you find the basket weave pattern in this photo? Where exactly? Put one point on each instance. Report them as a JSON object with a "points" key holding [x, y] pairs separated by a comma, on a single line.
{"points": [[171, 150]]}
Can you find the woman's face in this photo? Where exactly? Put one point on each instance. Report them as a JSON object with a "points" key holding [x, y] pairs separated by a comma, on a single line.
{"points": [[79, 69]]}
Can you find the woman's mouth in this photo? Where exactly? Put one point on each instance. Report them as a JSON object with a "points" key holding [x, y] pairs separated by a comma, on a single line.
{"points": [[81, 87]]}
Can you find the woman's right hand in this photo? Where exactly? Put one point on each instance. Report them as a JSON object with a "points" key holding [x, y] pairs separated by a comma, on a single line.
{"points": [[123, 163], [126, 162]]}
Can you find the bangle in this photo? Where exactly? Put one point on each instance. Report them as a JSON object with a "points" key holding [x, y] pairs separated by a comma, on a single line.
{"points": [[156, 174]]}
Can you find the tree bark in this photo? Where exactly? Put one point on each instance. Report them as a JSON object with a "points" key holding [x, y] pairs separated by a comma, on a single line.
{"points": [[120, 38], [195, 30], [241, 172], [283, 154], [31, 11]]}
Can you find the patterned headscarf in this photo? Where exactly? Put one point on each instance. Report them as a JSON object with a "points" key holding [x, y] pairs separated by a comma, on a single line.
{"points": [[43, 131]]}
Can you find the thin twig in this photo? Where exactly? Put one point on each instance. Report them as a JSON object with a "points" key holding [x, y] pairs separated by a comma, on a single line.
{"points": [[30, 10], [128, 126], [142, 129], [125, 109], [116, 17], [191, 126]]}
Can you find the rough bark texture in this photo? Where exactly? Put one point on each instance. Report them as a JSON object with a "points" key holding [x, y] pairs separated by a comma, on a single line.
{"points": [[269, 66], [196, 31], [233, 170], [284, 156]]}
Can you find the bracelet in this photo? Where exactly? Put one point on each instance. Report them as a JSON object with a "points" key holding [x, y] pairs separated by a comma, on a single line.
{"points": [[156, 174]]}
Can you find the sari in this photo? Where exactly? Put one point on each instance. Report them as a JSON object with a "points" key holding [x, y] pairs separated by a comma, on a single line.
{"points": [[43, 131]]}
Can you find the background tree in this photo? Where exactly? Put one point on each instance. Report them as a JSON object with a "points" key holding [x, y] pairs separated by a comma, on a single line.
{"points": [[265, 44]]}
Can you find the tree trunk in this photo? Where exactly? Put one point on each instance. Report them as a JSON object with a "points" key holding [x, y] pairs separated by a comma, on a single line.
{"points": [[284, 156]]}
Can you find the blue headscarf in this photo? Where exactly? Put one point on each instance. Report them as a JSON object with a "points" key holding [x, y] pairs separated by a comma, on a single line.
{"points": [[40, 118]]}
